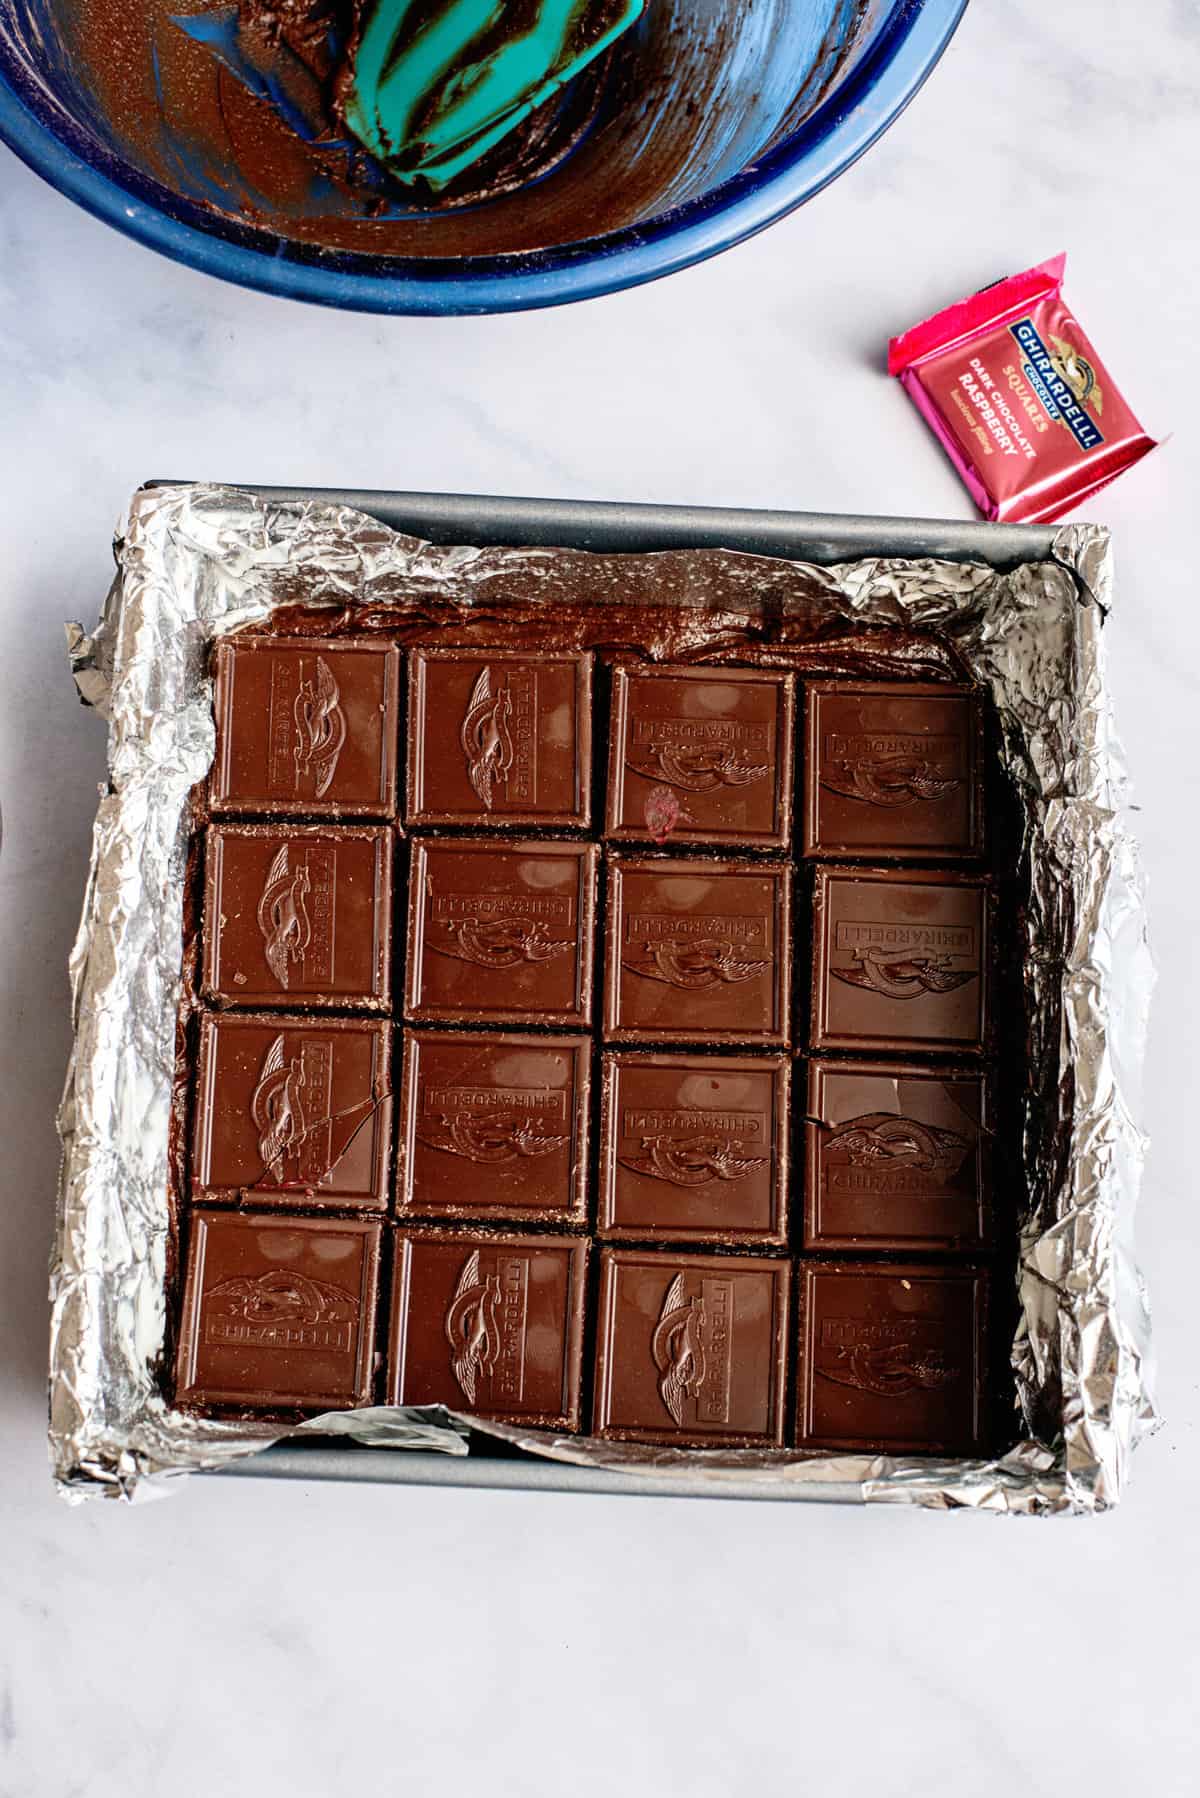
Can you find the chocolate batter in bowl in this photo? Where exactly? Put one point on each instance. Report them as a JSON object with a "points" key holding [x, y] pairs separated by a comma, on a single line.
{"points": [[227, 136]]}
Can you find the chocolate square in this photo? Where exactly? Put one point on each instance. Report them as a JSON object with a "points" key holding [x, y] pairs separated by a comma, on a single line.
{"points": [[691, 1349], [489, 1324], [306, 726], [891, 1359], [901, 960], [897, 1157], [278, 1312], [298, 917], [497, 736], [694, 1148], [494, 1127], [501, 932], [292, 1113], [893, 770], [697, 951], [701, 755]]}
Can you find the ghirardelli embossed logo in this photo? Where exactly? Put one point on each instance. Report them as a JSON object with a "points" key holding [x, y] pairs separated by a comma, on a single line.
{"points": [[697, 952], [890, 770], [307, 727], [491, 1124], [485, 1328], [882, 1153], [903, 977], [500, 930], [692, 1148], [280, 1309], [694, 963], [499, 737], [283, 915], [903, 961], [291, 1107], [699, 755], [692, 1348], [500, 942], [295, 912], [885, 1359]]}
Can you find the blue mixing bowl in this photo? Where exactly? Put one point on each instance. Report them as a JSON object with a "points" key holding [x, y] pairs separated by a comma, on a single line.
{"points": [[759, 103]]}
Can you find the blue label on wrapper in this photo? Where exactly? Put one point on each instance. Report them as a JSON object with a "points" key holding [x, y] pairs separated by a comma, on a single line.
{"points": [[1045, 372]]}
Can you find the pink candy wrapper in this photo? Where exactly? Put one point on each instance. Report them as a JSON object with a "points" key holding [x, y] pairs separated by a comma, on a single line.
{"points": [[1018, 398]]}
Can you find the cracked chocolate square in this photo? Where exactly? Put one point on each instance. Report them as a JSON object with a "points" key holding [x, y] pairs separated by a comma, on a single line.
{"points": [[501, 932], [893, 770], [497, 737], [701, 755], [298, 917], [901, 960], [691, 1349], [892, 1360], [493, 1127], [306, 726], [897, 1157], [694, 1148], [697, 951], [292, 1113], [278, 1312], [489, 1324]]}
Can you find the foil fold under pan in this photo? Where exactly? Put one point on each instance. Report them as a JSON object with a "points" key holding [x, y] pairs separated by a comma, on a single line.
{"points": [[1023, 609]]}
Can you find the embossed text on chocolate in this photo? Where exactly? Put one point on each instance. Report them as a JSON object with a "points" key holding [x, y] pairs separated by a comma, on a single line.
{"points": [[744, 1125], [717, 1331], [700, 731], [671, 927], [547, 908], [279, 1310], [843, 746], [933, 939], [540, 1099]]}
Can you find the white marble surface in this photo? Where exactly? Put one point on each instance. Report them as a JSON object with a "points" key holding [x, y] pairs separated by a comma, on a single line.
{"points": [[292, 1641]]}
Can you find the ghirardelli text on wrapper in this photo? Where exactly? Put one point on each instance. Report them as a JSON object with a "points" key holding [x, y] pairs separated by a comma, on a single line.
{"points": [[1018, 398]]}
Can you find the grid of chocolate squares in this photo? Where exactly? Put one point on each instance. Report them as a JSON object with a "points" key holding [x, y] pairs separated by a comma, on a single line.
{"points": [[591, 1077]]}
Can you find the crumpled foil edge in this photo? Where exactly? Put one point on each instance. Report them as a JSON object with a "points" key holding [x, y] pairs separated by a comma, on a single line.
{"points": [[195, 562]]}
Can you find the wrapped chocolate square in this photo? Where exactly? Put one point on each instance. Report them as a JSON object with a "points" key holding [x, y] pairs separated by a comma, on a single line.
{"points": [[711, 1123], [1015, 393]]}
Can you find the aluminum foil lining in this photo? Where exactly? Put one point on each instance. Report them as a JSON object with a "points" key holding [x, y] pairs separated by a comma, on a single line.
{"points": [[195, 562]]}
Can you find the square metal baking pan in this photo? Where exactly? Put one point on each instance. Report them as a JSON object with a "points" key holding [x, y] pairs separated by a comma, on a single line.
{"points": [[482, 520]]}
